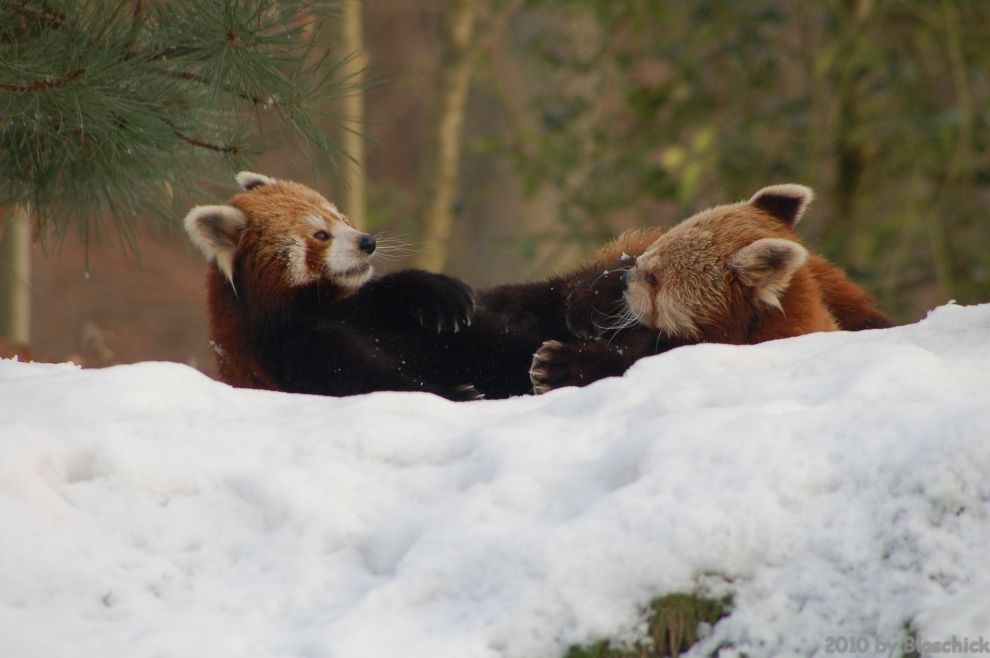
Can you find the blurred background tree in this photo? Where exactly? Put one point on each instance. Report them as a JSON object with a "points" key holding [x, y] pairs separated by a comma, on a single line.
{"points": [[456, 66], [352, 139], [122, 108]]}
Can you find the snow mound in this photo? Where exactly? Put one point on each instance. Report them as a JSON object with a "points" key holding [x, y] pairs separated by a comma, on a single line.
{"points": [[835, 484]]}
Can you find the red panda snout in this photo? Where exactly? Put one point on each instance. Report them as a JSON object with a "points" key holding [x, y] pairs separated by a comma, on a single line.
{"points": [[346, 260], [367, 244]]}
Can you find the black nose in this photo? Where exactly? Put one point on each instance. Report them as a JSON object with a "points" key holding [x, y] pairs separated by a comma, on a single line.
{"points": [[366, 243], [625, 280]]}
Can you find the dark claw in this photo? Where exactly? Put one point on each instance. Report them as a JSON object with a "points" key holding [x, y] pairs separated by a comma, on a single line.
{"points": [[554, 366], [465, 393], [446, 303]]}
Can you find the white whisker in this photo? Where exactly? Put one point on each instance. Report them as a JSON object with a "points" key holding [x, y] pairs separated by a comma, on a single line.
{"points": [[393, 248]]}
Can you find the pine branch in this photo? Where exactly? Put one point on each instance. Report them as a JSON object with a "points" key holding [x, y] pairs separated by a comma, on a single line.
{"points": [[46, 84], [46, 19], [232, 149], [192, 77]]}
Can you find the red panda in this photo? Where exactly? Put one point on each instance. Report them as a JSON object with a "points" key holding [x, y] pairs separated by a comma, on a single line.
{"points": [[735, 273], [294, 306]]}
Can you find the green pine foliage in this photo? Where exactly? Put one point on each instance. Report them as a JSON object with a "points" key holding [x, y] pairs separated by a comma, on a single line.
{"points": [[121, 106]]}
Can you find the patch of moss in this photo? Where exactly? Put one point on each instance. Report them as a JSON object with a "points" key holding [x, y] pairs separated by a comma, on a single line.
{"points": [[672, 624]]}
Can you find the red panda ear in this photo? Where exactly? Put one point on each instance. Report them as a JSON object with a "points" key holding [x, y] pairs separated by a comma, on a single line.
{"points": [[248, 180], [216, 230], [784, 202], [768, 265]]}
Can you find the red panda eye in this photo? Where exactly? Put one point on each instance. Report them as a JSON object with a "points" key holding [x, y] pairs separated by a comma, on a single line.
{"points": [[322, 235], [651, 279]]}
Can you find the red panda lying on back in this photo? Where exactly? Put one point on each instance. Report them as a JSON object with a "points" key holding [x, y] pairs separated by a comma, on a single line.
{"points": [[735, 273], [294, 307]]}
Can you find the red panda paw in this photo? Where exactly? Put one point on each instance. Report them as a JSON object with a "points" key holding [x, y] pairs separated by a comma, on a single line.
{"points": [[597, 306], [446, 304], [556, 365]]}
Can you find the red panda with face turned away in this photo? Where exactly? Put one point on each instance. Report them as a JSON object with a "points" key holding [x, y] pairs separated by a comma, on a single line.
{"points": [[734, 274], [294, 307]]}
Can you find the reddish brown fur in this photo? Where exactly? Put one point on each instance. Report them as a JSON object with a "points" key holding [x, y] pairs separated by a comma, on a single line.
{"points": [[281, 201], [274, 210], [260, 279], [631, 243], [819, 297], [851, 305], [803, 306], [803, 311], [260, 288], [236, 364], [734, 274]]}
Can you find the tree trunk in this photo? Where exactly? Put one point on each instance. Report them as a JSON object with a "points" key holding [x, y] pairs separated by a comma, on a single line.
{"points": [[15, 277], [842, 234], [456, 66], [352, 139], [845, 236]]}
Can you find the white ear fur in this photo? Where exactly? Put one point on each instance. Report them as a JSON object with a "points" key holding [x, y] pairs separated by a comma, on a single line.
{"points": [[768, 265], [216, 230], [248, 180], [785, 202]]}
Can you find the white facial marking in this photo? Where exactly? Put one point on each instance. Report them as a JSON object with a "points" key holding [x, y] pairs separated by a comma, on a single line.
{"points": [[317, 222], [637, 298], [671, 316], [345, 263], [299, 274]]}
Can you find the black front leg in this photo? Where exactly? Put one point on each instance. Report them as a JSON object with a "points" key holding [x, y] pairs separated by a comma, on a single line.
{"points": [[338, 358], [580, 362], [575, 363], [435, 302], [532, 310]]}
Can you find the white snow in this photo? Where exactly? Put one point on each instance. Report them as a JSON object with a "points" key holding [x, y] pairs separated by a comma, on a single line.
{"points": [[835, 484]]}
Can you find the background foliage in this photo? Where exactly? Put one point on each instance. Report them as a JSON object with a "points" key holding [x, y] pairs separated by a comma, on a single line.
{"points": [[882, 106]]}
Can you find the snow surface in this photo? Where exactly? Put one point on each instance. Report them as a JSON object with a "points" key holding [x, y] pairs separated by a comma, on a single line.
{"points": [[835, 484]]}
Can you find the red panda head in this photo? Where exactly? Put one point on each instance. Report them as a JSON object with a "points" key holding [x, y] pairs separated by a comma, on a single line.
{"points": [[287, 230], [709, 276]]}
